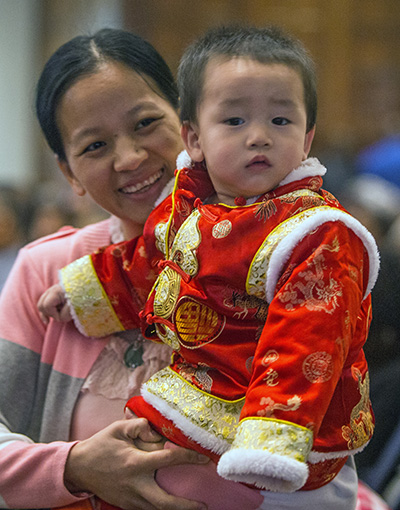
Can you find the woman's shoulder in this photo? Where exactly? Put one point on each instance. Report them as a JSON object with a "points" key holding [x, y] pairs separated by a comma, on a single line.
{"points": [[85, 239], [50, 253]]}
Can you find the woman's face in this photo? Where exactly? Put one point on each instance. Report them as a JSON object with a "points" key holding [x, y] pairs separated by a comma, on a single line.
{"points": [[121, 140]]}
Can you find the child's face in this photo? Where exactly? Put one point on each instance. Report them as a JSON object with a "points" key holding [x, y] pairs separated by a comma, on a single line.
{"points": [[251, 126]]}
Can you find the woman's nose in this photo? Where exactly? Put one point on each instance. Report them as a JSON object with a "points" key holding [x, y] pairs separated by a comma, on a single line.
{"points": [[128, 155]]}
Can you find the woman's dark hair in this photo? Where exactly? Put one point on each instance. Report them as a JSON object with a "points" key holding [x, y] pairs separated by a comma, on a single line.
{"points": [[268, 45], [83, 56]]}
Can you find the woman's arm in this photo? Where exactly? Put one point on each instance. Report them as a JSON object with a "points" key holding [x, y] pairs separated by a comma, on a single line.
{"points": [[32, 356]]}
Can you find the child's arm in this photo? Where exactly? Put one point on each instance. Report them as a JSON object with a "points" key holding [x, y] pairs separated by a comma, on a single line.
{"points": [[105, 291], [53, 304], [309, 371]]}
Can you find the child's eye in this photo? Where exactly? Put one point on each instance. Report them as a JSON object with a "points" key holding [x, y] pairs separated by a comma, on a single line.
{"points": [[93, 147], [234, 121], [280, 121]]}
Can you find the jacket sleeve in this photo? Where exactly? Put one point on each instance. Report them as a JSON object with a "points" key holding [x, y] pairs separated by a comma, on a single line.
{"points": [[302, 352], [107, 289]]}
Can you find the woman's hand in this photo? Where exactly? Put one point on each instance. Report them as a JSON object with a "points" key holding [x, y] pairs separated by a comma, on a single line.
{"points": [[53, 303], [110, 465]]}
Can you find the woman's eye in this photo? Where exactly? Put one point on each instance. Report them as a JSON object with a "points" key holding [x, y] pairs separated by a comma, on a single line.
{"points": [[146, 122], [280, 121], [234, 121], [94, 146]]}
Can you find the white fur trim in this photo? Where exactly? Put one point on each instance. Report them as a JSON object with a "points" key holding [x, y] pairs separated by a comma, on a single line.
{"points": [[192, 431], [283, 251], [183, 160], [315, 457], [311, 167], [263, 469], [167, 190]]}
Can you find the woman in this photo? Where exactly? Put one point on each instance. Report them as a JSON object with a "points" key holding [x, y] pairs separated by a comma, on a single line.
{"points": [[107, 106]]}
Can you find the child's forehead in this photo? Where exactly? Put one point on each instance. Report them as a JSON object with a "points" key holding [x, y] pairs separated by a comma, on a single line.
{"points": [[224, 72]]}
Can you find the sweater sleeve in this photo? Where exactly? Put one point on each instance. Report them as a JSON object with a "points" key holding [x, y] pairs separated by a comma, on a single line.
{"points": [[31, 474], [301, 354], [107, 289]]}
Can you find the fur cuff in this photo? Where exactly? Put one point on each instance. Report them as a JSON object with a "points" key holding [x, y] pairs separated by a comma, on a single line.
{"points": [[263, 469]]}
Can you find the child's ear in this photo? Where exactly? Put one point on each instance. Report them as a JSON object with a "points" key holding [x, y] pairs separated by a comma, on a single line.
{"points": [[308, 141], [66, 170], [190, 137]]}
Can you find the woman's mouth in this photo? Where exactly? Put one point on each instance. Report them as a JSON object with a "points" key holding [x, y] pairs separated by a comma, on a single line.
{"points": [[143, 186]]}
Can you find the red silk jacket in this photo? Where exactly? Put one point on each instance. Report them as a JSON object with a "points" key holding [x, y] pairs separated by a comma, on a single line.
{"points": [[267, 307]]}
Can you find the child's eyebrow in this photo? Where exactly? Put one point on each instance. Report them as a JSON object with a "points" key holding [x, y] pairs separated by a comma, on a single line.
{"points": [[238, 101]]}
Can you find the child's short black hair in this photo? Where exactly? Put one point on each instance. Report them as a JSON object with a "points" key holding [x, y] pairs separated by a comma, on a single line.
{"points": [[267, 45]]}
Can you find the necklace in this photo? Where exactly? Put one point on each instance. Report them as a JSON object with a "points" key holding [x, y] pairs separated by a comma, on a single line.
{"points": [[133, 356]]}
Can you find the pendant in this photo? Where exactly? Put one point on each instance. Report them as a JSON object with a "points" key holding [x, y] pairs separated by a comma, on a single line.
{"points": [[133, 356]]}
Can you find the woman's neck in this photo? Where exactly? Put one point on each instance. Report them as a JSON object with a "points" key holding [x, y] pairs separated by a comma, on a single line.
{"points": [[123, 230], [130, 229]]}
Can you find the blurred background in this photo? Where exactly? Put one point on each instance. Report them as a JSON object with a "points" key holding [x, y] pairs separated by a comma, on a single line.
{"points": [[355, 44]]}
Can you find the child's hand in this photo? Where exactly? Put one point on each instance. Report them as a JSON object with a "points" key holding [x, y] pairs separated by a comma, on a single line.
{"points": [[53, 303]]}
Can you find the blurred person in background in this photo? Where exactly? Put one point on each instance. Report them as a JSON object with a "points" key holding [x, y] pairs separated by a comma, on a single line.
{"points": [[11, 229]]}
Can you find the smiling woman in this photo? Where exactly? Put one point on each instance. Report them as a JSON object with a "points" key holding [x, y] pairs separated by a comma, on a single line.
{"points": [[107, 105]]}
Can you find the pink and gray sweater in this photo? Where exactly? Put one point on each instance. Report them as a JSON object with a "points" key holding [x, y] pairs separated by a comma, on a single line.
{"points": [[42, 369]]}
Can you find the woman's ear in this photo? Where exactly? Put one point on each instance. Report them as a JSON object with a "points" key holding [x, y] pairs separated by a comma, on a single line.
{"points": [[190, 137], [66, 170]]}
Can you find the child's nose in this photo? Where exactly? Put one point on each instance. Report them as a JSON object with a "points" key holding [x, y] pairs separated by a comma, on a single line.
{"points": [[259, 137]]}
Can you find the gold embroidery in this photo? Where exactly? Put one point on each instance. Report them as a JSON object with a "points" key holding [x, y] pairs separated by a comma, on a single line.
{"points": [[217, 416], [166, 292], [244, 301], [196, 323], [276, 436], [166, 335], [361, 421], [257, 274], [222, 229], [312, 292], [185, 243], [318, 367], [88, 299], [160, 232], [271, 374], [292, 404]]}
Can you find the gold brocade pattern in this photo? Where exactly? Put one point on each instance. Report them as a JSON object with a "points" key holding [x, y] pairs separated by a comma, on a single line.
{"points": [[361, 420], [166, 335], [257, 274], [187, 239], [277, 437], [314, 290], [89, 301], [160, 232], [218, 417], [166, 292]]}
